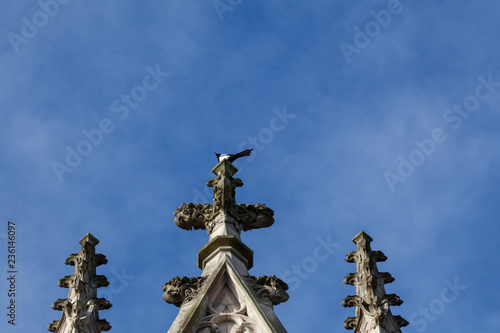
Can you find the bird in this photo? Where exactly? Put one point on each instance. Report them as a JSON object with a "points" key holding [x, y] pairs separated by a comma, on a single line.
{"points": [[231, 157]]}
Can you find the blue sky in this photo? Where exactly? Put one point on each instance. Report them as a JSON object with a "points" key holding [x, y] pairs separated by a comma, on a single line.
{"points": [[363, 115]]}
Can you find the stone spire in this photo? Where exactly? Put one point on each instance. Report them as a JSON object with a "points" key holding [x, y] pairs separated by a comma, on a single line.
{"points": [[372, 303], [225, 298], [80, 308]]}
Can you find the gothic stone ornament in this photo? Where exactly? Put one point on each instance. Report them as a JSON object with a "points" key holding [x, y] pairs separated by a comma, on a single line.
{"points": [[181, 290], [80, 308], [371, 300], [193, 216], [228, 300], [227, 312], [224, 208], [270, 289], [225, 191]]}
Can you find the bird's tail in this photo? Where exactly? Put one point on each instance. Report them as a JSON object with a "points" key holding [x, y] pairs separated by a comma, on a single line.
{"points": [[245, 152]]}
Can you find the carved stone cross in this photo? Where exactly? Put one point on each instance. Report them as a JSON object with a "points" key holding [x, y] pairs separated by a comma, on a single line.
{"points": [[224, 216]]}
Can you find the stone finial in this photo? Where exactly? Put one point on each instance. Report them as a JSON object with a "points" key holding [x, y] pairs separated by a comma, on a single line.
{"points": [[371, 301], [80, 308], [224, 210], [225, 298]]}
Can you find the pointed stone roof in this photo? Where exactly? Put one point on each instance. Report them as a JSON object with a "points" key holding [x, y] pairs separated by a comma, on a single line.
{"points": [[80, 308], [225, 298], [371, 301]]}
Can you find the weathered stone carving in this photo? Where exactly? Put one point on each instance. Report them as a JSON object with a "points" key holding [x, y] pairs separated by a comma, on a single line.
{"points": [[370, 300], [254, 216], [220, 219], [225, 191], [350, 323], [376, 308], [352, 279], [99, 304], [385, 278], [228, 303], [400, 321], [226, 313], [351, 301], [377, 256], [193, 215], [80, 309], [224, 208], [182, 289], [270, 289]]}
